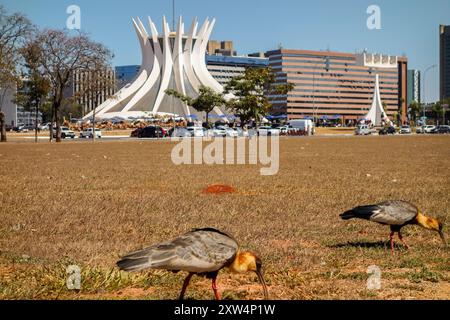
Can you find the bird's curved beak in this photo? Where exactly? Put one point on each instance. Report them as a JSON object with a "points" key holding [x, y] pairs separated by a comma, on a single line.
{"points": [[260, 274], [441, 234]]}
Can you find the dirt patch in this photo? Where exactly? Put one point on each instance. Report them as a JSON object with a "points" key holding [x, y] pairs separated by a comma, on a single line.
{"points": [[219, 189]]}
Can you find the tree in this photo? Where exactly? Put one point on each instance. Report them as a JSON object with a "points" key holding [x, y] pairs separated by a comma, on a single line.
{"points": [[414, 110], [63, 56], [400, 111], [36, 85], [438, 111], [206, 101], [13, 31], [251, 91]]}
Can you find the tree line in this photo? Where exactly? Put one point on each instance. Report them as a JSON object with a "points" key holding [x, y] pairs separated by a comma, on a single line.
{"points": [[44, 63]]}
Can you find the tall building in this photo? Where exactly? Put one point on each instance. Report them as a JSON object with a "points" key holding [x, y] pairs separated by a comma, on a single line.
{"points": [[444, 34], [414, 82], [223, 68], [84, 96], [334, 85], [223, 48], [126, 75]]}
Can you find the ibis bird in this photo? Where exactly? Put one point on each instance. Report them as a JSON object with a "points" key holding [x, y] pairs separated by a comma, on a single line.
{"points": [[201, 252], [396, 214]]}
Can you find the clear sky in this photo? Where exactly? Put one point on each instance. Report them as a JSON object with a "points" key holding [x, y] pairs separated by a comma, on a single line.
{"points": [[409, 27]]}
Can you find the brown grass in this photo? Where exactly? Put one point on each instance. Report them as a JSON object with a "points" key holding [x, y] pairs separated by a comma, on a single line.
{"points": [[88, 204]]}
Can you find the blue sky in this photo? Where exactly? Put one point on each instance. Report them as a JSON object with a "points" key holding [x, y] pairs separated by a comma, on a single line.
{"points": [[409, 27]]}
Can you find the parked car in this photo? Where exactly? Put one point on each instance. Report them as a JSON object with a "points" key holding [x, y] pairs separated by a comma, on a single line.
{"points": [[283, 130], [405, 130], [20, 129], [197, 132], [180, 133], [219, 132], [87, 133], [65, 133], [387, 130], [420, 130], [429, 129], [441, 130], [268, 131], [232, 133], [364, 130], [46, 126], [242, 133], [149, 132]]}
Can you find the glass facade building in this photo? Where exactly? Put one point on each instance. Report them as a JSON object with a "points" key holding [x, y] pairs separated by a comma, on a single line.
{"points": [[224, 68]]}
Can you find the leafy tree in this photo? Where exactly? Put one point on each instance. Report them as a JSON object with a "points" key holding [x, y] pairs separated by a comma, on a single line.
{"points": [[36, 86], [251, 91], [415, 109], [13, 31], [206, 101], [438, 111]]}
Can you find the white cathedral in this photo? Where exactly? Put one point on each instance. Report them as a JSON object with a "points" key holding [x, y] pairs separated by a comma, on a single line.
{"points": [[173, 60]]}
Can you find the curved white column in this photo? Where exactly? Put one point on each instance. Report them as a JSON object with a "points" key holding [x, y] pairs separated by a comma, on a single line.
{"points": [[146, 89], [188, 57], [127, 92], [167, 67]]}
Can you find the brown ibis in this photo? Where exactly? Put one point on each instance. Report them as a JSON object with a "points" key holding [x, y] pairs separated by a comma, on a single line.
{"points": [[201, 252], [396, 214]]}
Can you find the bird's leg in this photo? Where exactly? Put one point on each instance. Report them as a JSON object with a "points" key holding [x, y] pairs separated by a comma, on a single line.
{"points": [[392, 242], [214, 287], [403, 241], [185, 285]]}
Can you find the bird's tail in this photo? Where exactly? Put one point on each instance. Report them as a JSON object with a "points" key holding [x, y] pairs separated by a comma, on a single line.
{"points": [[155, 257], [350, 214], [130, 264], [364, 212]]}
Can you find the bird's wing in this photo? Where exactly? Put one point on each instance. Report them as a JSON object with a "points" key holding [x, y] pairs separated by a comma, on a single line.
{"points": [[199, 251], [395, 213]]}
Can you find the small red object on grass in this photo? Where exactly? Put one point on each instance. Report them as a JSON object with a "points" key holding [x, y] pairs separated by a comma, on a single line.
{"points": [[219, 189]]}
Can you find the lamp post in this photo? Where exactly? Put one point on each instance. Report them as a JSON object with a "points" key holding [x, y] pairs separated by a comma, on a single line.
{"points": [[327, 67], [424, 92]]}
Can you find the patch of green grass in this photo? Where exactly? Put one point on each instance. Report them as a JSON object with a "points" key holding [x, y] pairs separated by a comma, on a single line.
{"points": [[424, 275], [414, 262]]}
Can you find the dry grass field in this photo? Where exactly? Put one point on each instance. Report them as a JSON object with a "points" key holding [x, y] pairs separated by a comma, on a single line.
{"points": [[87, 204]]}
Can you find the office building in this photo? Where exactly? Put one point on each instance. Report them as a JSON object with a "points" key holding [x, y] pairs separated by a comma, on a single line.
{"points": [[126, 75], [335, 85], [444, 34], [224, 68], [414, 82], [222, 48]]}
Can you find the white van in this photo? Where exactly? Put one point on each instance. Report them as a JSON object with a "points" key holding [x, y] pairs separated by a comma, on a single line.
{"points": [[303, 125]]}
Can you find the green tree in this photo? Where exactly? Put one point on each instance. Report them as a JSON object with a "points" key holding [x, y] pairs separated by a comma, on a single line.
{"points": [[14, 29], [415, 109], [36, 86], [438, 111], [206, 100], [251, 91], [400, 111]]}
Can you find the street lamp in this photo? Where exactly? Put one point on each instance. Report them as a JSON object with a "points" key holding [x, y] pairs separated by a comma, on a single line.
{"points": [[327, 67], [424, 92]]}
